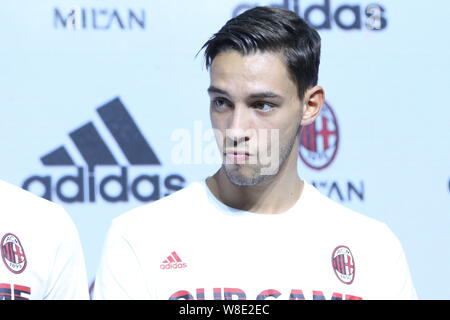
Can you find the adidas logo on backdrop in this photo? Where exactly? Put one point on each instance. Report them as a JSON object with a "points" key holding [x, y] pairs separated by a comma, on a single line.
{"points": [[102, 175]]}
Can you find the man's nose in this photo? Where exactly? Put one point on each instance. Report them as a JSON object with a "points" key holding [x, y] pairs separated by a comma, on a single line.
{"points": [[238, 130]]}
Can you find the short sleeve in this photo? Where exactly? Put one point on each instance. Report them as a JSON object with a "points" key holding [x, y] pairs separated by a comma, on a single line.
{"points": [[398, 281]]}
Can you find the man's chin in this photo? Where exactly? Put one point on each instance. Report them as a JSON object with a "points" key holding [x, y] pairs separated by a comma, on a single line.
{"points": [[244, 177]]}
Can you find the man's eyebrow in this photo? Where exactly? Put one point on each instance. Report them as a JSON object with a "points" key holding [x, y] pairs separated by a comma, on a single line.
{"points": [[263, 95], [259, 95], [213, 89]]}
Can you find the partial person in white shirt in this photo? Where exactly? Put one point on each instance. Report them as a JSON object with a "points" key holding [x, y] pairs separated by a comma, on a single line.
{"points": [[41, 253], [255, 229]]}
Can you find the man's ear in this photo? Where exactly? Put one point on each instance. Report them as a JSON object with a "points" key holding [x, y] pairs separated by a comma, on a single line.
{"points": [[312, 104]]}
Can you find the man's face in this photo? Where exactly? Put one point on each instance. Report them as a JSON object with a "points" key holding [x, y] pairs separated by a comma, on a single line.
{"points": [[256, 113]]}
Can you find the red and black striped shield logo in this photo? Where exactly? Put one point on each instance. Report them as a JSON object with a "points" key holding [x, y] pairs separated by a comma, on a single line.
{"points": [[13, 254], [319, 141], [343, 264]]}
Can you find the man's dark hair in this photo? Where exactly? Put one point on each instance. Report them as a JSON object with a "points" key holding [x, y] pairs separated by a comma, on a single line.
{"points": [[270, 29]]}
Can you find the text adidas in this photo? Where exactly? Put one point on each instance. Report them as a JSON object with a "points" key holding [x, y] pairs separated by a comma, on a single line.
{"points": [[179, 265], [87, 185], [323, 15]]}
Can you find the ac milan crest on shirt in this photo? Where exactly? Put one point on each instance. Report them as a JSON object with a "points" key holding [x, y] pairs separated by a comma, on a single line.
{"points": [[343, 264], [173, 261], [13, 254]]}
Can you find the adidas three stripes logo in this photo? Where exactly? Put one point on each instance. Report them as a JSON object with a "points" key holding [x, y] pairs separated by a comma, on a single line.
{"points": [[173, 261], [94, 150]]}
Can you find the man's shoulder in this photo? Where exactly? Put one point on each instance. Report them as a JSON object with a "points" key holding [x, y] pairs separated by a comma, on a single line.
{"points": [[41, 225], [18, 204], [345, 223], [172, 206], [337, 214]]}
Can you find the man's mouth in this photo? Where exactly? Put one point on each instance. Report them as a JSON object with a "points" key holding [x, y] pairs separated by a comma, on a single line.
{"points": [[237, 156]]}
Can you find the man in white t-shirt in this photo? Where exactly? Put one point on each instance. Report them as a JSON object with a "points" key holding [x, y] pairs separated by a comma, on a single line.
{"points": [[255, 229], [40, 249]]}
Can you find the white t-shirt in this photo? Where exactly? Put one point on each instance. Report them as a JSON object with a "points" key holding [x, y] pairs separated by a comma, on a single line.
{"points": [[40, 249], [189, 245]]}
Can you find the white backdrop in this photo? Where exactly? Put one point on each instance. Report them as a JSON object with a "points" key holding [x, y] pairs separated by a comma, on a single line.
{"points": [[388, 121]]}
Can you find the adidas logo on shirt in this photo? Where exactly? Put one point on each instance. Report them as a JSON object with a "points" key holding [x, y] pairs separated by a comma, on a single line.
{"points": [[173, 261], [104, 146]]}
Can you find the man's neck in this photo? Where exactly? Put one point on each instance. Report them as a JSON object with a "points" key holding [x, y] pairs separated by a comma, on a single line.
{"points": [[276, 194]]}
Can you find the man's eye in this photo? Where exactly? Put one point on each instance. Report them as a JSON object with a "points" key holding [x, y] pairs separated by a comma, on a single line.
{"points": [[264, 107], [220, 104]]}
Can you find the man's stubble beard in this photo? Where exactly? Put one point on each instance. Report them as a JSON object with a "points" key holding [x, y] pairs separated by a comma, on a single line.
{"points": [[256, 177]]}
